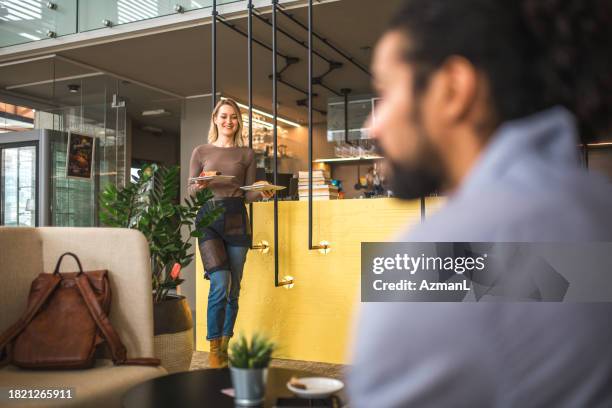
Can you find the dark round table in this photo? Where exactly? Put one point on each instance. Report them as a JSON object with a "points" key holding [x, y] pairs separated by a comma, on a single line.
{"points": [[202, 388]]}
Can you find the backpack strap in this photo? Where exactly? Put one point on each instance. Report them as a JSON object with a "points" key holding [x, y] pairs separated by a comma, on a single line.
{"points": [[117, 349], [34, 305]]}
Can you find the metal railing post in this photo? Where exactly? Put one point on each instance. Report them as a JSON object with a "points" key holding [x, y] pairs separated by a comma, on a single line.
{"points": [[214, 53], [323, 245], [275, 136]]}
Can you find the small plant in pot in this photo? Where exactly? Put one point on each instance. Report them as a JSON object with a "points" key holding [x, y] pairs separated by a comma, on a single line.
{"points": [[249, 363], [150, 204]]}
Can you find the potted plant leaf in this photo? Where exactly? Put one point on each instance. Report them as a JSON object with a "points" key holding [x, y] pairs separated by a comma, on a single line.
{"points": [[150, 204], [249, 363]]}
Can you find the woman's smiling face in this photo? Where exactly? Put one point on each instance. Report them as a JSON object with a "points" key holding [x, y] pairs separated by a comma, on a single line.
{"points": [[227, 121]]}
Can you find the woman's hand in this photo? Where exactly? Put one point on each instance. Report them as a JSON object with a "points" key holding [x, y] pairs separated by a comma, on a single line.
{"points": [[200, 185], [265, 194]]}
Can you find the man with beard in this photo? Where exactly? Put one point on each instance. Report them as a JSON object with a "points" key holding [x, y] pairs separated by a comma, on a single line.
{"points": [[485, 100]]}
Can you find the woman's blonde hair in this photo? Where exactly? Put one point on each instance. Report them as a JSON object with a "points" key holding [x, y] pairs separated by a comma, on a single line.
{"points": [[213, 133]]}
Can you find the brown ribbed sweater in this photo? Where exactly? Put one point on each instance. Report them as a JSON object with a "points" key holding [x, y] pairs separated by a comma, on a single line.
{"points": [[230, 161]]}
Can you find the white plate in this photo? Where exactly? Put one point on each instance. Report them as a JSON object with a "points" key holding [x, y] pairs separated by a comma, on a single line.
{"points": [[317, 387], [262, 187], [207, 178]]}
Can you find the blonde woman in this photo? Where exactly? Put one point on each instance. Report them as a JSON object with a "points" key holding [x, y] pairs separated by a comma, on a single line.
{"points": [[225, 243]]}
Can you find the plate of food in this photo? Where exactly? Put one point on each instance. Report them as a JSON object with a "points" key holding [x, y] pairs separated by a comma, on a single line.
{"points": [[314, 387], [210, 175], [262, 187]]}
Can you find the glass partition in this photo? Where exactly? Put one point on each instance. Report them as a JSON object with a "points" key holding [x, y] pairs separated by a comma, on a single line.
{"points": [[74, 202], [24, 21], [359, 108]]}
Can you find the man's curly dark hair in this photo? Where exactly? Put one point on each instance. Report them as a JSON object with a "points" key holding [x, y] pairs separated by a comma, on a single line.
{"points": [[535, 53]]}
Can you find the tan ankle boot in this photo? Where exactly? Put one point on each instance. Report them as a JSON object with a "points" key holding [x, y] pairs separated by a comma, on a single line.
{"points": [[225, 344], [216, 358]]}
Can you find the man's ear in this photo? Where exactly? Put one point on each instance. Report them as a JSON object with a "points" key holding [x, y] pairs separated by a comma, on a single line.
{"points": [[456, 82]]}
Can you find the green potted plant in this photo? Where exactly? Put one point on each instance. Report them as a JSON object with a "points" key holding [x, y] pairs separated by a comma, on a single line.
{"points": [[249, 363], [149, 204]]}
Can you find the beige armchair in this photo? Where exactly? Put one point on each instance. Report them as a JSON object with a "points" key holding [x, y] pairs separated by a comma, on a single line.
{"points": [[25, 252]]}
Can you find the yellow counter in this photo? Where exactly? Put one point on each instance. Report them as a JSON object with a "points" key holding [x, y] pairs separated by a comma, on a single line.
{"points": [[313, 319]]}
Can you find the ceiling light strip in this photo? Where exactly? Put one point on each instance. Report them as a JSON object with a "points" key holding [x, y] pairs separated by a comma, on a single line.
{"points": [[261, 122], [49, 81], [24, 61], [266, 114]]}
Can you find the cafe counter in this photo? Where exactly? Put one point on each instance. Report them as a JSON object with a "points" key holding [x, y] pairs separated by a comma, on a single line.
{"points": [[312, 319]]}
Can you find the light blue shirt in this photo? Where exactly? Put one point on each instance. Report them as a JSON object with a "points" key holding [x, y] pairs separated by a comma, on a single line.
{"points": [[527, 186]]}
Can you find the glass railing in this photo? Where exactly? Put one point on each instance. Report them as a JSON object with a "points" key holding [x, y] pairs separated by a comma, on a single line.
{"points": [[95, 14], [23, 21]]}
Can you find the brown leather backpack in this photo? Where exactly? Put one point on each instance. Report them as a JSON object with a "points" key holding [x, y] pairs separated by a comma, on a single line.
{"points": [[65, 321]]}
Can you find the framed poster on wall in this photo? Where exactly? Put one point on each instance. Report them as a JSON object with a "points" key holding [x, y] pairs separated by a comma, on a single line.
{"points": [[80, 156]]}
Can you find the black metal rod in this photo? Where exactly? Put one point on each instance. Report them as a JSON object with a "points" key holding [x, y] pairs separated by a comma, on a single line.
{"points": [[255, 40], [321, 84], [326, 42], [290, 85], [250, 86], [279, 80], [304, 102], [275, 137], [288, 65], [294, 39], [305, 45], [305, 92], [310, 125], [214, 53], [422, 209], [346, 124]]}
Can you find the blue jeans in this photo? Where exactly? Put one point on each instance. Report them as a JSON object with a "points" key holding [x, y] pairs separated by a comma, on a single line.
{"points": [[223, 295]]}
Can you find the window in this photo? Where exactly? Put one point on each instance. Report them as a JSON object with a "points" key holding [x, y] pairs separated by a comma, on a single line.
{"points": [[15, 118]]}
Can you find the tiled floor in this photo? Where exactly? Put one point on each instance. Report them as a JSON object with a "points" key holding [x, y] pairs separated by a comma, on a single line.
{"points": [[200, 360]]}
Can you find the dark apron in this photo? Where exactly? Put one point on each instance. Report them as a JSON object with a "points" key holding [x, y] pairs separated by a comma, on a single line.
{"points": [[231, 228]]}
